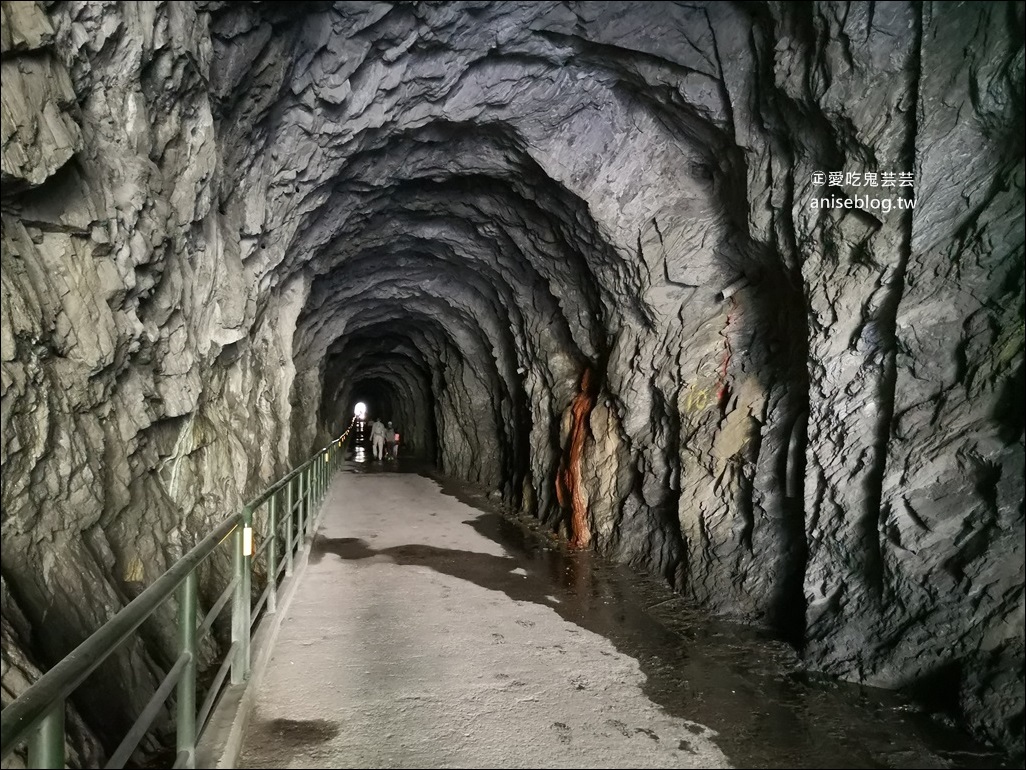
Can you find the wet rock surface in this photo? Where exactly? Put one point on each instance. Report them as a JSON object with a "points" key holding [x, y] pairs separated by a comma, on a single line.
{"points": [[767, 707], [225, 223]]}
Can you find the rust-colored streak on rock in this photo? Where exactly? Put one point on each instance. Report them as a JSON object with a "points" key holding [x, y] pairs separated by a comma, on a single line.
{"points": [[568, 479]]}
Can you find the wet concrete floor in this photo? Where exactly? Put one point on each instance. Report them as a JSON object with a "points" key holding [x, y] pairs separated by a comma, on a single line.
{"points": [[750, 690]]}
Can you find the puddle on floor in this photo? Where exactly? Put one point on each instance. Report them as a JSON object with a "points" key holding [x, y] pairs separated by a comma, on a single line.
{"points": [[737, 680]]}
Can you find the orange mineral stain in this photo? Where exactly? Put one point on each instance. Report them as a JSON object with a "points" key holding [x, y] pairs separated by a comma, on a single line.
{"points": [[568, 478]]}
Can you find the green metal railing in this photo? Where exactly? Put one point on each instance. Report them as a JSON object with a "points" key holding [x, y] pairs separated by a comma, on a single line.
{"points": [[292, 505]]}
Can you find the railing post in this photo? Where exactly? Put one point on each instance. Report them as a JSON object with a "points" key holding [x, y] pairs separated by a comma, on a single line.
{"points": [[302, 489], [272, 555], [46, 746], [317, 497], [320, 478], [320, 491], [242, 600], [309, 510], [186, 723], [289, 503]]}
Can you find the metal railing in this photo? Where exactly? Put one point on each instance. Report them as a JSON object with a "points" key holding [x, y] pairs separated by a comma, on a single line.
{"points": [[292, 504]]}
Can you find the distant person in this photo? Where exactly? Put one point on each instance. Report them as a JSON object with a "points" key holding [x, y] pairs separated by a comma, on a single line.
{"points": [[378, 435], [390, 439], [395, 444]]}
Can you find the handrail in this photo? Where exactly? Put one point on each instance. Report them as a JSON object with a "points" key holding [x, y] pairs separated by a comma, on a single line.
{"points": [[260, 499], [62, 679], [38, 714]]}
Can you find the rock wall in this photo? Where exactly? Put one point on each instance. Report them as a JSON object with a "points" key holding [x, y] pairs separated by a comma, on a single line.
{"points": [[145, 389], [222, 223]]}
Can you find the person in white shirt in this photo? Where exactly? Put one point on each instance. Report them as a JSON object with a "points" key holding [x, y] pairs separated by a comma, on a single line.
{"points": [[378, 434]]}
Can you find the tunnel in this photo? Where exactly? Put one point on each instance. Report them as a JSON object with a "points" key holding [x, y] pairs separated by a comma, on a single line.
{"points": [[731, 294]]}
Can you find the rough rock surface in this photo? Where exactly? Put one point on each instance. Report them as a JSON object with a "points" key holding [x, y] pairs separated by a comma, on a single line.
{"points": [[222, 223]]}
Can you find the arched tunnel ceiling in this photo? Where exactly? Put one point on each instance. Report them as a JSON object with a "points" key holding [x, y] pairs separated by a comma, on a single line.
{"points": [[533, 187], [521, 115], [527, 242]]}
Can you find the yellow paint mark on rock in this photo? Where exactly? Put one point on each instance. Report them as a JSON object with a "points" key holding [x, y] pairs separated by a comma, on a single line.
{"points": [[134, 570]]}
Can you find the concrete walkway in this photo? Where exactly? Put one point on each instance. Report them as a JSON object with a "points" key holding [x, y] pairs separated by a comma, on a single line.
{"points": [[409, 645]]}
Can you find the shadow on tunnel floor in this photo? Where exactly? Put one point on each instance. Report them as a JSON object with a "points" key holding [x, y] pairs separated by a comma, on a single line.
{"points": [[738, 680]]}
